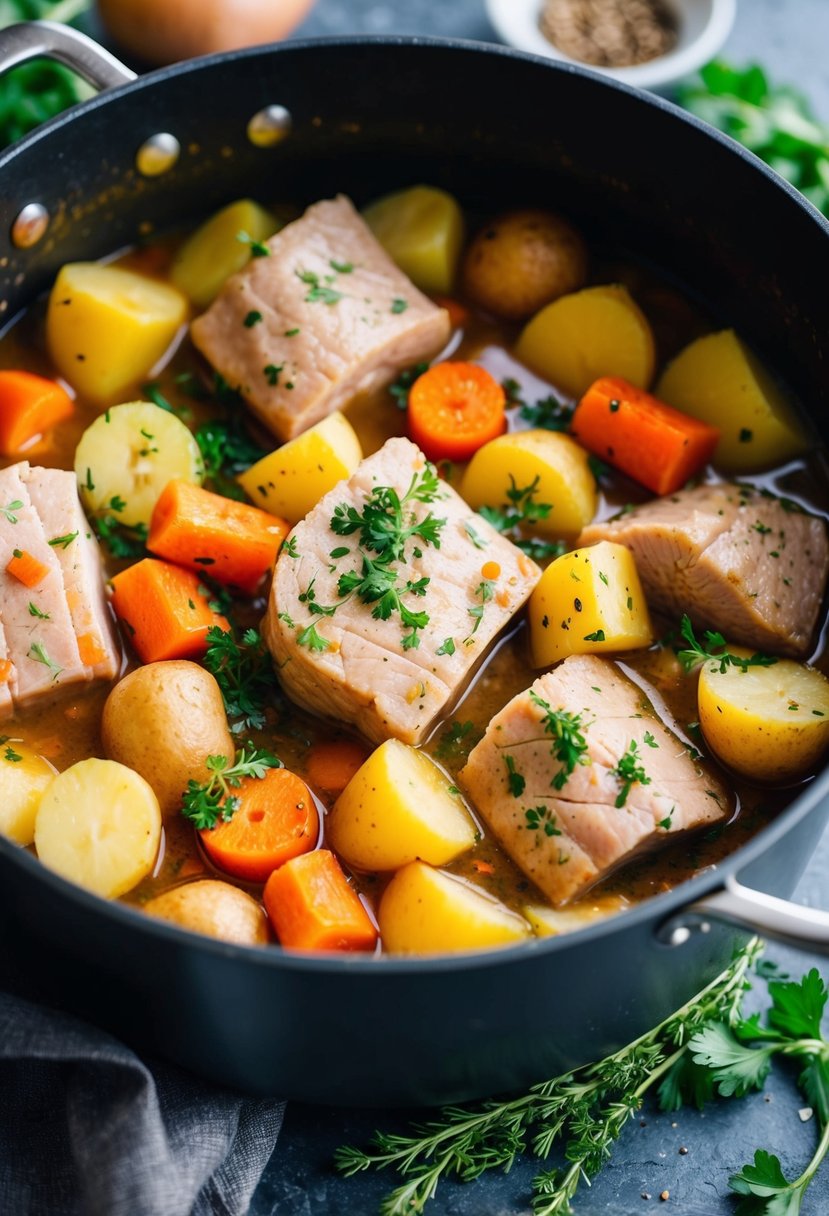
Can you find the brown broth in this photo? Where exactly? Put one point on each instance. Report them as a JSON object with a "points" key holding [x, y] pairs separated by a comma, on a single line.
{"points": [[69, 730]]}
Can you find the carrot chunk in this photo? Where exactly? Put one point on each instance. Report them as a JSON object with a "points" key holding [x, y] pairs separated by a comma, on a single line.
{"points": [[312, 907], [653, 443], [275, 820], [29, 406], [6, 669], [454, 409], [26, 568], [233, 542], [458, 313], [90, 649], [165, 610], [331, 765]]}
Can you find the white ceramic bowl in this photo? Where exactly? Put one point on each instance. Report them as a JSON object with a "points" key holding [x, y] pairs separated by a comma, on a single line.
{"points": [[704, 26]]}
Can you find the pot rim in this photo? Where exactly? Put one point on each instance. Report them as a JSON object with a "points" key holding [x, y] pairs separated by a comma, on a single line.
{"points": [[655, 908]]}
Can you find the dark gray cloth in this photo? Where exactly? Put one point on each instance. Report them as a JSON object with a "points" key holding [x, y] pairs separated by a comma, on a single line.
{"points": [[89, 1129]]}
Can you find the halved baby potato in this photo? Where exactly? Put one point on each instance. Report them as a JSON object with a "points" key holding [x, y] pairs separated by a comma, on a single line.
{"points": [[397, 807], [99, 825], [292, 479], [600, 331], [427, 911], [24, 778], [106, 327], [550, 465], [766, 723], [128, 455]]}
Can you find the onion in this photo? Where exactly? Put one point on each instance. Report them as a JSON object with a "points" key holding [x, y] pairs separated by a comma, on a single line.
{"points": [[166, 31]]}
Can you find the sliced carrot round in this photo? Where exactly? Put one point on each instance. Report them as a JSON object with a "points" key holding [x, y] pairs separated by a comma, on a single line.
{"points": [[332, 764], [454, 409], [276, 819]]}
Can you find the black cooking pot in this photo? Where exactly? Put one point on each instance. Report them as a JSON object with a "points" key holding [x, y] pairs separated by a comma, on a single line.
{"points": [[496, 128]]}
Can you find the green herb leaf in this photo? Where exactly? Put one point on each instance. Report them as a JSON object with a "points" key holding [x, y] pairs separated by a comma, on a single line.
{"points": [[714, 649], [206, 803]]}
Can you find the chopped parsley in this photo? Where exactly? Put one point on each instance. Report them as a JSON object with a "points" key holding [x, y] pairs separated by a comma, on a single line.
{"points": [[63, 542], [9, 510], [714, 648], [245, 675], [38, 653], [399, 305], [515, 780], [318, 293], [569, 745], [522, 511], [257, 248], [272, 372], [541, 818], [629, 772], [252, 318], [399, 389], [35, 611]]}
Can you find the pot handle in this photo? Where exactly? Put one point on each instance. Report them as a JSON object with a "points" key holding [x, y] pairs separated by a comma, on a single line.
{"points": [[48, 40], [792, 924]]}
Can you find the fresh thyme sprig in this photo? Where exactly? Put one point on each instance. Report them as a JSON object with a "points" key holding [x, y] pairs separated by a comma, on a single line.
{"points": [[715, 649], [587, 1108], [245, 674], [207, 803], [523, 511]]}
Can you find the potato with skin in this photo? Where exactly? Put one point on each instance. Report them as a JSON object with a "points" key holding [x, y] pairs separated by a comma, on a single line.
{"points": [[523, 260], [398, 806], [600, 331], [24, 778], [766, 723], [427, 911], [718, 380], [554, 464], [163, 720], [213, 908]]}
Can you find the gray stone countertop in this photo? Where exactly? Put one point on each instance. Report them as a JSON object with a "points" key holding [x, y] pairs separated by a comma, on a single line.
{"points": [[790, 38]]}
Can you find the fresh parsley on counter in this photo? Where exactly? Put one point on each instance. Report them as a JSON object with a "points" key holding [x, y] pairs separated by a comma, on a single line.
{"points": [[706, 1048]]}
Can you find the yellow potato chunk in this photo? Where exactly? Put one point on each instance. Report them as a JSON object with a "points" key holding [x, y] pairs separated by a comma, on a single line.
{"points": [[718, 380], [215, 251], [599, 331], [128, 455], [24, 778], [399, 806], [99, 825], [293, 479], [550, 922], [766, 723], [553, 470], [422, 230], [426, 911], [107, 328], [587, 602]]}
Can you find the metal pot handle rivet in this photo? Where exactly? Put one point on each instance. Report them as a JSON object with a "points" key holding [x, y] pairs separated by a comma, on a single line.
{"points": [[269, 126], [157, 154], [30, 225], [778, 919]]}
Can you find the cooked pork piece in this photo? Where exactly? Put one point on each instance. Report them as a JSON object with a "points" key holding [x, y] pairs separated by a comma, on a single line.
{"points": [[735, 559], [325, 315], [578, 775], [55, 628], [385, 637]]}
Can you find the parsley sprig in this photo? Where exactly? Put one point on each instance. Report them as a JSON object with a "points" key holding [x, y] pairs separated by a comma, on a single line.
{"points": [[569, 745], [586, 1110], [245, 674], [523, 511], [738, 1056], [715, 648], [629, 772], [384, 526], [205, 804]]}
